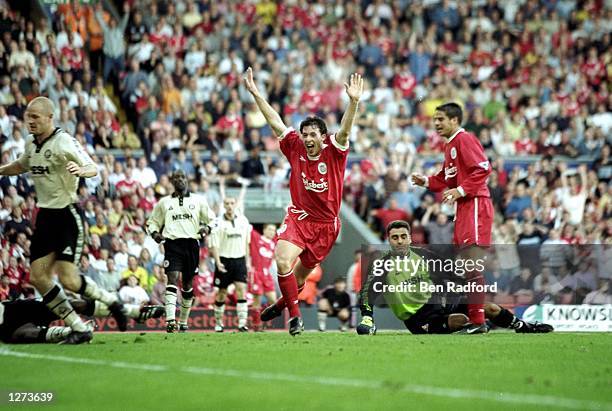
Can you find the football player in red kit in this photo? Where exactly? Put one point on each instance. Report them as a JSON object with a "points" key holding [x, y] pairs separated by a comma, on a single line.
{"points": [[311, 226], [261, 281], [463, 179]]}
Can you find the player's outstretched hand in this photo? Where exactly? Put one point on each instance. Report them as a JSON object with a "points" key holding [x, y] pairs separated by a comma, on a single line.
{"points": [[418, 179], [354, 88], [249, 82], [366, 326], [73, 168]]}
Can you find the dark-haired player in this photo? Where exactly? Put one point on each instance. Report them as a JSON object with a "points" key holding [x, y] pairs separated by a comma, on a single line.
{"points": [[56, 161], [463, 179], [318, 160], [28, 321], [180, 220], [422, 311]]}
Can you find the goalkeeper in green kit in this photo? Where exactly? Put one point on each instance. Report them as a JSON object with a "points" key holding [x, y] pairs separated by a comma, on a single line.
{"points": [[406, 288]]}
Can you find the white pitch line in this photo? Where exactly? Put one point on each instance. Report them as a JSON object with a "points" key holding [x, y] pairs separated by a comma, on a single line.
{"points": [[502, 397]]}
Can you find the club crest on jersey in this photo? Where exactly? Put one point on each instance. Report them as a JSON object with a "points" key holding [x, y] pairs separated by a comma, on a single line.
{"points": [[311, 185], [322, 167], [453, 153], [47, 154]]}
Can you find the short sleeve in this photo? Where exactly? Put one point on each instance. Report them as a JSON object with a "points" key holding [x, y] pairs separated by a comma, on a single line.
{"points": [[75, 152], [24, 159], [288, 141], [337, 146]]}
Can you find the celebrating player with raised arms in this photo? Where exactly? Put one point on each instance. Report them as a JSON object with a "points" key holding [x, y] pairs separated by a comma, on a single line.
{"points": [[311, 226]]}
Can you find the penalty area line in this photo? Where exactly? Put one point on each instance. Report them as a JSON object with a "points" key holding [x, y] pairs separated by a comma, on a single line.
{"points": [[445, 392]]}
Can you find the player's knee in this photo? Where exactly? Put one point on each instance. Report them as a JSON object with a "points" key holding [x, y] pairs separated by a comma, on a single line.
{"points": [[221, 294], [283, 263], [40, 274], [323, 304], [240, 289], [492, 310], [457, 321], [71, 281], [344, 314]]}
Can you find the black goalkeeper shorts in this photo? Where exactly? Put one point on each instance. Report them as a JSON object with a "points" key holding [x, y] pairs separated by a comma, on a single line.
{"points": [[21, 312], [432, 318]]}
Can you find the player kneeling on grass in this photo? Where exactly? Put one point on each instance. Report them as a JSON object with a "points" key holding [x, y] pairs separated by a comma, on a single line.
{"points": [[422, 312], [335, 302], [28, 321]]}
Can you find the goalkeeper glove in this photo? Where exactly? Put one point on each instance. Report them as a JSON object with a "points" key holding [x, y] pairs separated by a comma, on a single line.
{"points": [[366, 326]]}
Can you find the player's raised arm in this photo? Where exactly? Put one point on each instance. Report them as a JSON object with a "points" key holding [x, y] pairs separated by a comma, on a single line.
{"points": [[354, 90], [272, 117]]}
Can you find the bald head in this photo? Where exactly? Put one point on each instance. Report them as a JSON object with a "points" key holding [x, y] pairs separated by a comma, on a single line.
{"points": [[39, 117], [43, 105]]}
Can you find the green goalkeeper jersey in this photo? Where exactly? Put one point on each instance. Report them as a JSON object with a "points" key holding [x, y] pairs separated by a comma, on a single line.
{"points": [[404, 283]]}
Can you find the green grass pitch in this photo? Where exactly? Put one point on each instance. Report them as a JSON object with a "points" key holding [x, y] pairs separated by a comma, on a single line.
{"points": [[316, 371]]}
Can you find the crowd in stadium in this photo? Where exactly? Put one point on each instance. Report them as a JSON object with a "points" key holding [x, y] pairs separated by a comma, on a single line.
{"points": [[165, 77]]}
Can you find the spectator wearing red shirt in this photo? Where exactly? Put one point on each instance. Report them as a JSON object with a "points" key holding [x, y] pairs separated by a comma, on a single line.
{"points": [[126, 187], [231, 120], [311, 98], [404, 81], [148, 201], [594, 68], [525, 145]]}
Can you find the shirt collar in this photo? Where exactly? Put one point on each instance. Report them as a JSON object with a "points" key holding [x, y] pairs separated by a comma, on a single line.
{"points": [[40, 145], [176, 194], [455, 134]]}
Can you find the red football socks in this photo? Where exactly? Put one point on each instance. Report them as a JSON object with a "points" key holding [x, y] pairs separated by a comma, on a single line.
{"points": [[280, 303], [288, 286], [476, 301]]}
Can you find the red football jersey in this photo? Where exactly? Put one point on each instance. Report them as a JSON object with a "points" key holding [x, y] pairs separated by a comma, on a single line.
{"points": [[465, 165], [262, 252], [315, 183]]}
